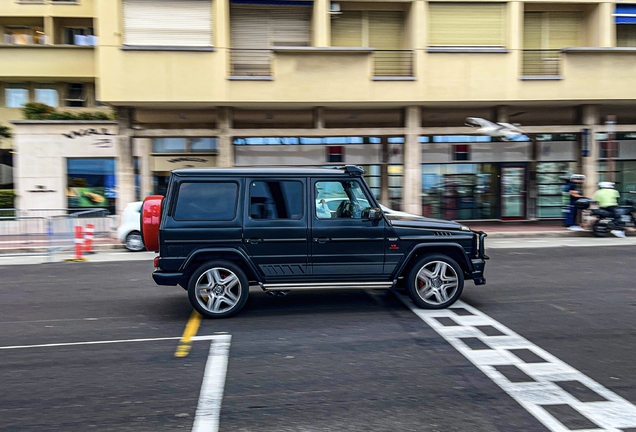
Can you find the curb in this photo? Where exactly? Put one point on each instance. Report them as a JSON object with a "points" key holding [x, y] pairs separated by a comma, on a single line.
{"points": [[42, 250]]}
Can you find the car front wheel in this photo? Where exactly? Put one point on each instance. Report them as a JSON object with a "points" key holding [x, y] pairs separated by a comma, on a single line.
{"points": [[435, 281], [218, 289]]}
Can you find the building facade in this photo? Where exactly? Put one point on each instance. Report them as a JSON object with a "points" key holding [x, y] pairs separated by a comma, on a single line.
{"points": [[382, 84]]}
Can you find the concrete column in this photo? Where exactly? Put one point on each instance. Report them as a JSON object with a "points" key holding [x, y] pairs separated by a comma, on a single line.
{"points": [[221, 14], [125, 167], [606, 27], [225, 156], [412, 162], [589, 164], [49, 30], [321, 23], [143, 148], [384, 172], [515, 34], [319, 118], [501, 113]]}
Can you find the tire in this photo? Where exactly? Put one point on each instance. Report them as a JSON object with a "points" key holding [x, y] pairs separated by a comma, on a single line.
{"points": [[133, 242], [218, 289], [435, 281], [599, 230]]}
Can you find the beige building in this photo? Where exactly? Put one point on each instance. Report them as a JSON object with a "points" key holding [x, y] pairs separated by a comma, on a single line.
{"points": [[383, 84]]}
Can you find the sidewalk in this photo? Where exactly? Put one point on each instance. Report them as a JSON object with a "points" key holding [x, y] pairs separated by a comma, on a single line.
{"points": [[526, 229]]}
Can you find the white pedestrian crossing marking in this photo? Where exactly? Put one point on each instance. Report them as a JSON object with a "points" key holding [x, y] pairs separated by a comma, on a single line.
{"points": [[542, 394]]}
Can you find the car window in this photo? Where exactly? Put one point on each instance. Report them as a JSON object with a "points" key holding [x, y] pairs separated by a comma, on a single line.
{"points": [[276, 200], [340, 200], [206, 201]]}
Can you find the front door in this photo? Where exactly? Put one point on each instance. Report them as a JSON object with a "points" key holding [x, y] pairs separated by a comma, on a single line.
{"points": [[275, 228], [343, 241], [513, 192]]}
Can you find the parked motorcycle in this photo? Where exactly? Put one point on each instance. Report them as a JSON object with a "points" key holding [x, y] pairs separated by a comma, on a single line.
{"points": [[606, 221]]}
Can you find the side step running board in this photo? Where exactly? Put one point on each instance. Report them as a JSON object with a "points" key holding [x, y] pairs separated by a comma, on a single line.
{"points": [[326, 285]]}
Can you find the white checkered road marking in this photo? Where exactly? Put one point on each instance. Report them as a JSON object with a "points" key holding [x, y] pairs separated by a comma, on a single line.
{"points": [[535, 377]]}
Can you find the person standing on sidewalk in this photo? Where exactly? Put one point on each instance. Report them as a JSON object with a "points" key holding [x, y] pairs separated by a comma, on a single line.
{"points": [[607, 199], [575, 192]]}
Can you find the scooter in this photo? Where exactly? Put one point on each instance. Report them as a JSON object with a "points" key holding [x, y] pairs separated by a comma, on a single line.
{"points": [[606, 221]]}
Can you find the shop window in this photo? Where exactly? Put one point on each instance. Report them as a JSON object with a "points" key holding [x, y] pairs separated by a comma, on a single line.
{"points": [[184, 145], [137, 169], [207, 201], [461, 152], [608, 149], [47, 96], [276, 200], [551, 177], [335, 154], [75, 95], [15, 97], [91, 183]]}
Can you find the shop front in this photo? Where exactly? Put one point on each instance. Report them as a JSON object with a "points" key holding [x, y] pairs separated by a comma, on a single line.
{"points": [[61, 165], [479, 178], [381, 158]]}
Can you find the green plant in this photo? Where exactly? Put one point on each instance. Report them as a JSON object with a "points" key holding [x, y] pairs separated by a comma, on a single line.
{"points": [[37, 111], [7, 198], [5, 132]]}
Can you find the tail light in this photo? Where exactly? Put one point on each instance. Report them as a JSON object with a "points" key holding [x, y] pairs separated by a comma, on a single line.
{"points": [[156, 262], [150, 220]]}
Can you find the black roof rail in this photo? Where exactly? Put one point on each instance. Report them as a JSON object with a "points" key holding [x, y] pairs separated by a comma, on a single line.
{"points": [[352, 170]]}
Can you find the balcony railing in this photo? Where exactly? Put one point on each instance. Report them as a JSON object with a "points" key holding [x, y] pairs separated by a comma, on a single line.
{"points": [[541, 63], [251, 62], [393, 63]]}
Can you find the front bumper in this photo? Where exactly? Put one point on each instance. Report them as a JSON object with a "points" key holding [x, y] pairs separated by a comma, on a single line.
{"points": [[171, 279], [479, 263]]}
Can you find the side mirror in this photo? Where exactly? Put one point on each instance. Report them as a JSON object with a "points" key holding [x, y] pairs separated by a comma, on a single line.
{"points": [[375, 214]]}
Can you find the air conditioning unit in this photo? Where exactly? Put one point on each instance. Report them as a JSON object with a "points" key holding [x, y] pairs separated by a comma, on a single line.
{"points": [[334, 8]]}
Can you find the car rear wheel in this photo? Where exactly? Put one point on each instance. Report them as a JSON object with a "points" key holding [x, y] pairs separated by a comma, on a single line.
{"points": [[435, 281], [134, 242], [218, 289]]}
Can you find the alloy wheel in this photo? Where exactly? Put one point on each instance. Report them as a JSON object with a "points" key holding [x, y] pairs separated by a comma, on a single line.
{"points": [[436, 282], [218, 290]]}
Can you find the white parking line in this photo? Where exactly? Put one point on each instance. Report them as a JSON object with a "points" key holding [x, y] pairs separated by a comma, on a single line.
{"points": [[539, 392], [198, 338], [209, 407]]}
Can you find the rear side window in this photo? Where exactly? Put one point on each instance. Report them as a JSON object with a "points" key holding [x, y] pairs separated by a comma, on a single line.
{"points": [[206, 201], [276, 200]]}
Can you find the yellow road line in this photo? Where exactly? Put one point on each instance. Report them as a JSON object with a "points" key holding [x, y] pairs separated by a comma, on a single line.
{"points": [[190, 331]]}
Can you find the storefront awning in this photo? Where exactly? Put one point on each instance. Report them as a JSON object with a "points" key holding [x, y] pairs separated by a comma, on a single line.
{"points": [[625, 14]]}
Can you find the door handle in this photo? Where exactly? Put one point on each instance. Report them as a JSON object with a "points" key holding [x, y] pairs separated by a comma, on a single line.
{"points": [[322, 240], [254, 241]]}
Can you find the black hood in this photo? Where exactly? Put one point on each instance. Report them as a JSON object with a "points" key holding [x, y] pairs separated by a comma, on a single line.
{"points": [[414, 221]]}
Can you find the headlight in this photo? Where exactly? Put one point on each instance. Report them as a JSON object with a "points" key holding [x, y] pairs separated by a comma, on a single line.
{"points": [[464, 228]]}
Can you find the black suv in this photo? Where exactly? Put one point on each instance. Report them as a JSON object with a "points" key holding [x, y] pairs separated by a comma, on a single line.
{"points": [[218, 231]]}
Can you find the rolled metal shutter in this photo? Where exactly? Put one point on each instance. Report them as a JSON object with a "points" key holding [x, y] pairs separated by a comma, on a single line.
{"points": [[532, 30], [626, 35], [564, 29], [346, 29], [185, 23], [386, 30], [249, 39], [467, 24], [290, 26]]}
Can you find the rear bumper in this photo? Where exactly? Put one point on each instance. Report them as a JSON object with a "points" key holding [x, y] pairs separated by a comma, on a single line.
{"points": [[162, 278]]}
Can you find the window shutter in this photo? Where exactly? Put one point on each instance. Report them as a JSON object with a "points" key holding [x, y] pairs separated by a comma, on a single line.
{"points": [[564, 29], [249, 39], [626, 35], [167, 22], [386, 30], [346, 29], [532, 30], [467, 24], [290, 26]]}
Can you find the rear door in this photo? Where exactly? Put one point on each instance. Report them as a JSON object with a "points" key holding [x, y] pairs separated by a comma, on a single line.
{"points": [[275, 227]]}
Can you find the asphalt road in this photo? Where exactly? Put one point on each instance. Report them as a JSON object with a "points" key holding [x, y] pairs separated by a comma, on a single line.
{"points": [[315, 361]]}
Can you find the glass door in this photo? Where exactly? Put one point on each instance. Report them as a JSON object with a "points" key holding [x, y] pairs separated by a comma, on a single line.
{"points": [[513, 193]]}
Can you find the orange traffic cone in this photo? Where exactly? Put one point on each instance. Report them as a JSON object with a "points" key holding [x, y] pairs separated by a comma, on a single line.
{"points": [[88, 239]]}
